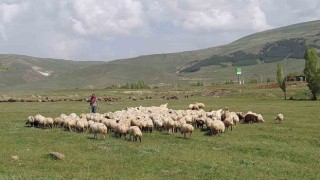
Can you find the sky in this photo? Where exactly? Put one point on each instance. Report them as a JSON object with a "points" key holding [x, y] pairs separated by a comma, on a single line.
{"points": [[105, 30]]}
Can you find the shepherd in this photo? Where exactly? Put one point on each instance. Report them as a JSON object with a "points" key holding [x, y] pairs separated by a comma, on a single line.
{"points": [[93, 104]]}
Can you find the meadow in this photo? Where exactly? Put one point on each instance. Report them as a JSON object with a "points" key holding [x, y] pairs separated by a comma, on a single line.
{"points": [[290, 150]]}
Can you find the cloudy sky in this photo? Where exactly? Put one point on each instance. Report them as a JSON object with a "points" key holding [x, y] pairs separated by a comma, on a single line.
{"points": [[113, 29]]}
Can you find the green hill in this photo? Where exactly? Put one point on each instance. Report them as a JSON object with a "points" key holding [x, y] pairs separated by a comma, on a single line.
{"points": [[257, 54]]}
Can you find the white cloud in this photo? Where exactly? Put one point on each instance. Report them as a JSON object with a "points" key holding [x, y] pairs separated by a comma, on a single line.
{"points": [[10, 11], [96, 17], [64, 47], [258, 21], [210, 20], [112, 29], [3, 32], [223, 15]]}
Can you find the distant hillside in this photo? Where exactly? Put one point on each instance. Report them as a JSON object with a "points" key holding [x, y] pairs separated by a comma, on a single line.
{"points": [[28, 71], [257, 54], [269, 46]]}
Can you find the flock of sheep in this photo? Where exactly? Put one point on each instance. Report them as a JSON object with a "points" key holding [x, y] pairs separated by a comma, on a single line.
{"points": [[133, 121]]}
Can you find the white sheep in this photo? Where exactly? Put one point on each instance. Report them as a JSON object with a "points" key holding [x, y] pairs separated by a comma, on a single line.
{"points": [[58, 121], [69, 123], [217, 127], [98, 128], [38, 120], [30, 121], [260, 118], [235, 118], [120, 130], [200, 105], [48, 122], [82, 125], [187, 128], [279, 118], [193, 107], [135, 132]]}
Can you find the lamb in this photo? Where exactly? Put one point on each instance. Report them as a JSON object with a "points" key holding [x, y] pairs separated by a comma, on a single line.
{"points": [[135, 132], [98, 128], [187, 128], [279, 117]]}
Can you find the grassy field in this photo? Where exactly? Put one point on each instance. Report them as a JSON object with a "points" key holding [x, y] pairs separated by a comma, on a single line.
{"points": [[290, 150]]}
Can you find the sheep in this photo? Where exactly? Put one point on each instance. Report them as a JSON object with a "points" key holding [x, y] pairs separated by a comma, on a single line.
{"points": [[200, 105], [90, 123], [48, 122], [199, 122], [260, 118], [240, 115], [193, 107], [168, 124], [58, 121], [217, 127], [228, 122], [135, 132], [226, 114], [187, 128], [279, 117], [38, 120], [120, 130], [98, 128], [30, 121], [69, 124], [235, 118], [82, 125], [250, 118], [150, 125]]}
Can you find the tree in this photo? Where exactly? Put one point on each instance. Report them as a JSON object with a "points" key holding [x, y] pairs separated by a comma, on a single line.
{"points": [[312, 72], [281, 80]]}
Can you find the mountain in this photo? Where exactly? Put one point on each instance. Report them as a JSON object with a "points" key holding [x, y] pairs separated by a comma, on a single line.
{"points": [[256, 54]]}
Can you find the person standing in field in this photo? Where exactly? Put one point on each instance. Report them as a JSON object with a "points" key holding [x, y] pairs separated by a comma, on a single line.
{"points": [[93, 103]]}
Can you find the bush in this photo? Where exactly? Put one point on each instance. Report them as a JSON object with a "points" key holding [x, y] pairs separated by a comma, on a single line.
{"points": [[253, 81], [135, 85]]}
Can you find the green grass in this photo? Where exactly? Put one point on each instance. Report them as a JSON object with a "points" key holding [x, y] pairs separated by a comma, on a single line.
{"points": [[290, 150]]}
